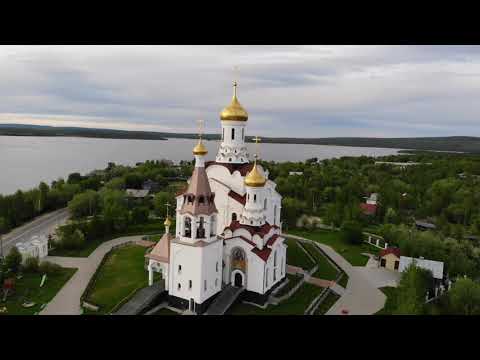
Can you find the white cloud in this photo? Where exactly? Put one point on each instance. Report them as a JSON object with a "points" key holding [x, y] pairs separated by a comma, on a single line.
{"points": [[309, 91]]}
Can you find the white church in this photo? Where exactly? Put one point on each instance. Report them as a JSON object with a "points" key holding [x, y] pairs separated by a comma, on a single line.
{"points": [[228, 230]]}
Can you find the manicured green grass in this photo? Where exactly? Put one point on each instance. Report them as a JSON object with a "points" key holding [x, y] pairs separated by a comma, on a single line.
{"points": [[390, 293], [120, 275], [292, 281], [325, 270], [151, 228], [29, 288], [296, 256], [295, 305], [352, 253], [327, 303]]}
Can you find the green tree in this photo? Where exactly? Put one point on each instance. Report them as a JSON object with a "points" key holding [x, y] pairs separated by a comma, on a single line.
{"points": [[159, 201], [411, 291], [114, 209], [140, 215], [292, 209], [13, 260], [352, 232], [84, 204], [464, 297]]}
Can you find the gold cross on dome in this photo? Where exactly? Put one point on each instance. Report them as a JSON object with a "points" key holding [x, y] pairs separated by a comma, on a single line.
{"points": [[200, 124], [168, 206], [235, 80], [257, 140]]}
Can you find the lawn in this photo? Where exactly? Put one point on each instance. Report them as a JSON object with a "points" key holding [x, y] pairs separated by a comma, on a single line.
{"points": [[292, 281], [327, 303], [352, 253], [390, 293], [296, 256], [295, 305], [151, 228], [29, 287], [121, 274], [325, 270]]}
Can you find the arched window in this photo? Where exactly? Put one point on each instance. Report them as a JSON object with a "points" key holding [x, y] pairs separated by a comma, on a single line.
{"points": [[243, 134], [188, 227], [201, 228], [254, 197], [179, 286], [201, 199], [265, 204], [213, 225], [223, 133], [190, 284], [216, 282], [275, 258], [216, 267], [234, 217], [205, 285], [233, 133], [266, 279], [275, 215]]}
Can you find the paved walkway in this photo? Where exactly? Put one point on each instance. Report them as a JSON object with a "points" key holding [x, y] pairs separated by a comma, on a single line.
{"points": [[360, 297], [67, 300]]}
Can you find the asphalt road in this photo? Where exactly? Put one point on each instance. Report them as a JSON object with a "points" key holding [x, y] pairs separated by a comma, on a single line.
{"points": [[43, 225]]}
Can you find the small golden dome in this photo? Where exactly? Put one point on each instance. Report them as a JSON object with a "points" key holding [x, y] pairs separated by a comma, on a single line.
{"points": [[167, 222], [234, 111], [254, 178], [200, 149]]}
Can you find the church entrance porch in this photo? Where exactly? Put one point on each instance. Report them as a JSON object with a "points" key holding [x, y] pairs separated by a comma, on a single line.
{"points": [[238, 278]]}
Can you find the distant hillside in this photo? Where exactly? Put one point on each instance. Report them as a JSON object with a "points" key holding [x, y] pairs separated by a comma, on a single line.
{"points": [[466, 144]]}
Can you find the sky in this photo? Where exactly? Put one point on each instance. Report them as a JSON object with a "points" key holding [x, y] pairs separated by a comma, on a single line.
{"points": [[288, 91]]}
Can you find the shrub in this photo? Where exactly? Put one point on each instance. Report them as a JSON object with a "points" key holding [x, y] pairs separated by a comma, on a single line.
{"points": [[47, 267], [31, 264], [352, 232], [13, 260]]}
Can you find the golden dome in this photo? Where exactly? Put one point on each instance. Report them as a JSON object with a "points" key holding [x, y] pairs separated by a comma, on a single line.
{"points": [[167, 222], [200, 149], [235, 110], [254, 178]]}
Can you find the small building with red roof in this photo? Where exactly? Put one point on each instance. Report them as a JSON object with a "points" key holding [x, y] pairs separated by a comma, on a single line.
{"points": [[390, 258]]}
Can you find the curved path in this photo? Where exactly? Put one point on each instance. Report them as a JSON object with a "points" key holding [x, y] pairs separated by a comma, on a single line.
{"points": [[361, 296], [67, 300]]}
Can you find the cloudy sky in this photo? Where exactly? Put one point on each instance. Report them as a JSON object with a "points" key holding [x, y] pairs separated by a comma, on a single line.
{"points": [[302, 91]]}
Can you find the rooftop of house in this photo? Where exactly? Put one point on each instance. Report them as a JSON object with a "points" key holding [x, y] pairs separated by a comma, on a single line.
{"points": [[137, 193], [391, 250]]}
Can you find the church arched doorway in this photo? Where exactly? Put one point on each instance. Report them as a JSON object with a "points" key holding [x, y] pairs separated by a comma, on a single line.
{"points": [[238, 278]]}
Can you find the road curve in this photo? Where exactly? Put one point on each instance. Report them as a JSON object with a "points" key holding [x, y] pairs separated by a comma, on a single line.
{"points": [[42, 225]]}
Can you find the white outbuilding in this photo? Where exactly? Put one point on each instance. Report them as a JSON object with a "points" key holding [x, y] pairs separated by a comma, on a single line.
{"points": [[36, 247], [436, 267]]}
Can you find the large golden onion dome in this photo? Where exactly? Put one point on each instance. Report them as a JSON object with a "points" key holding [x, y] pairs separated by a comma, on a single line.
{"points": [[254, 178], [234, 111], [167, 222], [200, 149]]}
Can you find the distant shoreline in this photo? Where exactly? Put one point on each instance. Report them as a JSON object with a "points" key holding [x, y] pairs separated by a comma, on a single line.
{"points": [[452, 144]]}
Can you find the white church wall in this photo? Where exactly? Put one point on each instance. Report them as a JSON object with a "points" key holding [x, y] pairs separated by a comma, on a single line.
{"points": [[190, 260], [211, 270]]}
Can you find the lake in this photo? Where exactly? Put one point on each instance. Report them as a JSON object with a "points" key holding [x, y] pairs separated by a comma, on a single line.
{"points": [[25, 161]]}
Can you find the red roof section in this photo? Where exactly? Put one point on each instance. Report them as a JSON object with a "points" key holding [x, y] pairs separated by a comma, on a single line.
{"points": [[263, 254], [260, 230], [236, 196], [272, 240], [391, 250], [368, 209]]}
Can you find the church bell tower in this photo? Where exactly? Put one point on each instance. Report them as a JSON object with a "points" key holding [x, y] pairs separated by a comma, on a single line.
{"points": [[234, 119]]}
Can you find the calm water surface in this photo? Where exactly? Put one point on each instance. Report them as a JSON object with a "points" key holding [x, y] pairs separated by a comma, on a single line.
{"points": [[25, 161]]}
